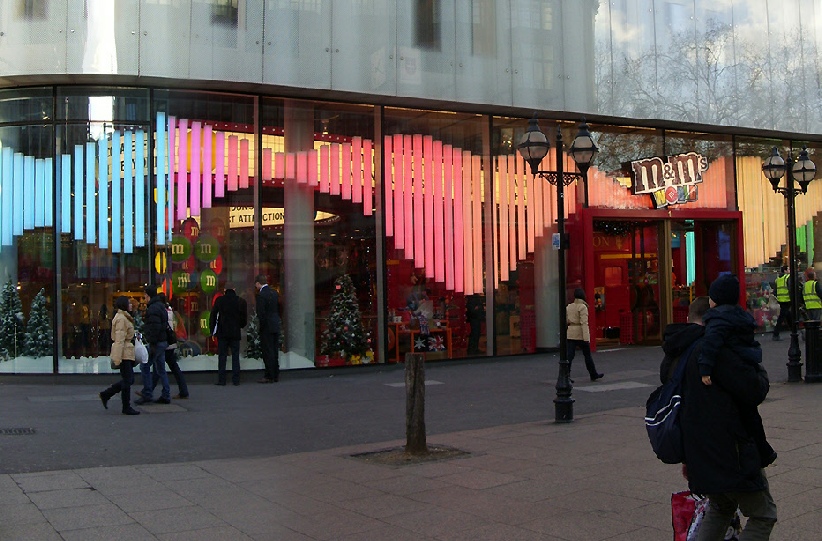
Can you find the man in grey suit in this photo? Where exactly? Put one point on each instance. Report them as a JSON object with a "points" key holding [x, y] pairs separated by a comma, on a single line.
{"points": [[269, 319]]}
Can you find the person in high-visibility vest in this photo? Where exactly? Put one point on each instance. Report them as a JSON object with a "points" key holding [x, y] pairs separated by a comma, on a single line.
{"points": [[784, 290], [812, 295]]}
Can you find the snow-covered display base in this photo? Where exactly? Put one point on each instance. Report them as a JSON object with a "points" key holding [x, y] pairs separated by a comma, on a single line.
{"points": [[101, 365]]}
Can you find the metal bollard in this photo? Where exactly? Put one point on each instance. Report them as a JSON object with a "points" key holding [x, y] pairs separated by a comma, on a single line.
{"points": [[813, 352]]}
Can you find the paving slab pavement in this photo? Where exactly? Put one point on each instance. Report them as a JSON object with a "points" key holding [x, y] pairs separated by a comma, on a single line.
{"points": [[590, 480]]}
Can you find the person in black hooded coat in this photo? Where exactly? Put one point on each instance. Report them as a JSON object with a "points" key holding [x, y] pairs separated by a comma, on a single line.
{"points": [[722, 460]]}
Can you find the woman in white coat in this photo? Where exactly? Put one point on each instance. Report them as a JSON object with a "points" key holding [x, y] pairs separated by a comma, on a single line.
{"points": [[579, 334]]}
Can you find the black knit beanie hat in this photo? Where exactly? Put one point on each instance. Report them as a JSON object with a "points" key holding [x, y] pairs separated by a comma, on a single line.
{"points": [[725, 289]]}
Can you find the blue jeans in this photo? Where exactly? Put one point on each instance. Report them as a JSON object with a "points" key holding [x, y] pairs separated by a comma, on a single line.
{"points": [[156, 361], [174, 367], [222, 353]]}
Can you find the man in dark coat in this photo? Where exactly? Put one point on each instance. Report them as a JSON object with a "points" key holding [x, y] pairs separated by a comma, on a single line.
{"points": [[268, 316], [228, 316], [722, 459], [155, 322]]}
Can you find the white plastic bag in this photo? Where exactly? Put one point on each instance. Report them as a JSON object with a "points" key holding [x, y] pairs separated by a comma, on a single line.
{"points": [[140, 351]]}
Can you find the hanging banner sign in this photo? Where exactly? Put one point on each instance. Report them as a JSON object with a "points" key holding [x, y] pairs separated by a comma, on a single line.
{"points": [[669, 181]]}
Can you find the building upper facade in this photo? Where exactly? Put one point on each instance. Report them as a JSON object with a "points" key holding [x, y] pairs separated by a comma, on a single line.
{"points": [[736, 63]]}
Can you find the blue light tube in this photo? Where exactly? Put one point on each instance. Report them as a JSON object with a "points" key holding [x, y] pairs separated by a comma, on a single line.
{"points": [[116, 183], [162, 208], [7, 195], [17, 221], [128, 196], [140, 191], [91, 200], [78, 192], [102, 191], [39, 195], [49, 193]]}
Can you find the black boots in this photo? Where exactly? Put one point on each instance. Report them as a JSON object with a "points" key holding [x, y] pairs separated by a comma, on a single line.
{"points": [[104, 399], [128, 410]]}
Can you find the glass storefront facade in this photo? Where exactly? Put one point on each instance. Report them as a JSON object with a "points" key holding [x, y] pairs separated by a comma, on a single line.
{"points": [[105, 190], [446, 239]]}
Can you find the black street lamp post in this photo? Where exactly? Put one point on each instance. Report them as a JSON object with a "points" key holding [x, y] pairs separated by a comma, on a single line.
{"points": [[533, 147], [801, 171]]}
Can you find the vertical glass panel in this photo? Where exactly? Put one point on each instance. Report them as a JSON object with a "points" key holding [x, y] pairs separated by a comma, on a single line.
{"points": [[228, 35], [103, 37], [211, 174], [537, 53], [435, 247], [165, 43], [790, 73], [34, 37], [604, 62], [426, 48], [717, 73], [318, 232], [483, 41], [364, 45], [680, 62], [297, 43], [27, 301]]}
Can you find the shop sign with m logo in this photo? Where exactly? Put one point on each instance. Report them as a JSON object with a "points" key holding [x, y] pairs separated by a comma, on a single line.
{"points": [[669, 181]]}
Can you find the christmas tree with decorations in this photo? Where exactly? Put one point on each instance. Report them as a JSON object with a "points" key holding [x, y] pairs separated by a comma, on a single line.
{"points": [[254, 349], [11, 322], [345, 335], [39, 334]]}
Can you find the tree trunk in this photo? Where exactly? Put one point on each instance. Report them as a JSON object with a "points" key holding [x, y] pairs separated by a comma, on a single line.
{"points": [[415, 404]]}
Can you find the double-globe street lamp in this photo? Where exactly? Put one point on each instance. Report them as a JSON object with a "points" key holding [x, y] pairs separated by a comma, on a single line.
{"points": [[533, 147], [801, 171]]}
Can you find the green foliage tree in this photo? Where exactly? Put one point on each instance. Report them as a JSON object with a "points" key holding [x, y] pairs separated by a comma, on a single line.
{"points": [[253, 350], [344, 334], [39, 335], [12, 328]]}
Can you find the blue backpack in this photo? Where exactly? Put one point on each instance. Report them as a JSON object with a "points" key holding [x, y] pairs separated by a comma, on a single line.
{"points": [[662, 415]]}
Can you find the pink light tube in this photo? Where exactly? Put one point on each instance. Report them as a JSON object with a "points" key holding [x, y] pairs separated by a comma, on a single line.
{"points": [[357, 170], [302, 167], [476, 168], [459, 225], [419, 208], [172, 160], [495, 217], [233, 174], [448, 202], [208, 187], [521, 223], [439, 231], [182, 170], [530, 209], [335, 169], [428, 203], [325, 169], [244, 163], [219, 154], [367, 185], [290, 166], [512, 216], [387, 191], [266, 164], [312, 168], [408, 194], [346, 171], [539, 224], [399, 196], [194, 157], [467, 223], [279, 165], [504, 222]]}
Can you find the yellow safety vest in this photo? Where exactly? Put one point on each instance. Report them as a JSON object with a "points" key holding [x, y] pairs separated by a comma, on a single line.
{"points": [[812, 300], [782, 292]]}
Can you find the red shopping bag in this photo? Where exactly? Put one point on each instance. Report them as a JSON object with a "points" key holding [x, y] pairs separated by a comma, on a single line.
{"points": [[683, 505]]}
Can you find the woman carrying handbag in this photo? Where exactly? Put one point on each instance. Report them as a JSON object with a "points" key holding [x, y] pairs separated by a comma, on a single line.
{"points": [[122, 355]]}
